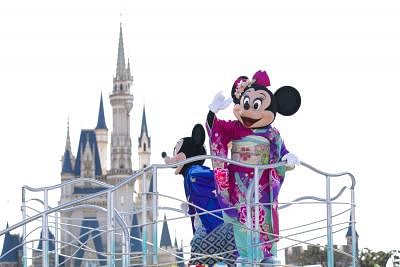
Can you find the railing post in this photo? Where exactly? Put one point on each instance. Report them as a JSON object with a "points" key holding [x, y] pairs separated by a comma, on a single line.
{"points": [[353, 231], [256, 214], [56, 239], [110, 230], [249, 227], [23, 208], [330, 257], [144, 219], [155, 216], [45, 232]]}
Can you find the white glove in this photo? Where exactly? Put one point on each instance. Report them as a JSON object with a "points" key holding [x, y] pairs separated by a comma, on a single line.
{"points": [[185, 208], [291, 160], [219, 102]]}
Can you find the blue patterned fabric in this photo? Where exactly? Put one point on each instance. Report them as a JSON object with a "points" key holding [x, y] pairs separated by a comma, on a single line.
{"points": [[220, 241], [200, 190]]}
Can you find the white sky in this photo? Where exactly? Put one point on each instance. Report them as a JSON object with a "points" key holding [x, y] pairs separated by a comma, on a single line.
{"points": [[343, 56]]}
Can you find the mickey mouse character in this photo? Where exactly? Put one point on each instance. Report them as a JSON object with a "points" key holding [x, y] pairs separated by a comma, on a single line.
{"points": [[200, 190], [253, 141], [198, 179]]}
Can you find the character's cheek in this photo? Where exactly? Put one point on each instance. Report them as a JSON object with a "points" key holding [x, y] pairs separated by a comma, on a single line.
{"points": [[268, 117], [237, 111]]}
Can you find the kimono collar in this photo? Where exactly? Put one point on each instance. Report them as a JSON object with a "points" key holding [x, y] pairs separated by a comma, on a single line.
{"points": [[261, 130]]}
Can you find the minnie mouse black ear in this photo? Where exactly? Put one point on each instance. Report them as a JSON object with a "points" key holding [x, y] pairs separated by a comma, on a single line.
{"points": [[288, 100], [198, 135]]}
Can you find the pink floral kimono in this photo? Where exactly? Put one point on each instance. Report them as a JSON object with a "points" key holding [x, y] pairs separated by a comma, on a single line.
{"points": [[251, 146]]}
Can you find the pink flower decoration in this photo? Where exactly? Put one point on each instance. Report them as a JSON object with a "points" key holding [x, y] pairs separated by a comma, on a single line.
{"points": [[221, 177]]}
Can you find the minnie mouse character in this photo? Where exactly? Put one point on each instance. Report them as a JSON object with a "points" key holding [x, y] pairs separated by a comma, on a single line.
{"points": [[200, 191], [253, 141]]}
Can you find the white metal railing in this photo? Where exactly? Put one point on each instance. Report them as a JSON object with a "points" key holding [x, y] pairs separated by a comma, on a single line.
{"points": [[114, 215]]}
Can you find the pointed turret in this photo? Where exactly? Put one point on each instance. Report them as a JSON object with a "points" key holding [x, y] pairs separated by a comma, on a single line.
{"points": [[101, 121], [143, 131], [121, 72], [144, 143], [51, 245], [102, 137], [67, 164], [122, 102], [68, 141], [128, 71], [11, 248], [67, 159], [165, 236], [87, 150], [349, 230]]}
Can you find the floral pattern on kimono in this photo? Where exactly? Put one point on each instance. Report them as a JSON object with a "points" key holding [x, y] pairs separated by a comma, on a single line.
{"points": [[251, 146]]}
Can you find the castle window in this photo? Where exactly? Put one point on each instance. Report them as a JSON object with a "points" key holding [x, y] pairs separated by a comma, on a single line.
{"points": [[144, 147], [120, 87]]}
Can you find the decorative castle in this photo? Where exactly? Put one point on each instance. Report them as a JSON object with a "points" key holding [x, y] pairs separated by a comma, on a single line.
{"points": [[90, 161]]}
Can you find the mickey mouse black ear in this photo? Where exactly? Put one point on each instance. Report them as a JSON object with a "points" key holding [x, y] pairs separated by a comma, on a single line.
{"points": [[198, 135], [288, 100]]}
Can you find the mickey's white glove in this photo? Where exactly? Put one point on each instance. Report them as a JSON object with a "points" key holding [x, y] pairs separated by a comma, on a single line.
{"points": [[291, 160], [219, 102], [185, 208]]}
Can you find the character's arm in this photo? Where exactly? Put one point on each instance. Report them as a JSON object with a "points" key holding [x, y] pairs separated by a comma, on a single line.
{"points": [[220, 132], [291, 159]]}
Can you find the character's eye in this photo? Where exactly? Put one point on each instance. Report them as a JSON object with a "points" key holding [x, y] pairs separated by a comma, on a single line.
{"points": [[257, 104], [246, 102], [178, 147]]}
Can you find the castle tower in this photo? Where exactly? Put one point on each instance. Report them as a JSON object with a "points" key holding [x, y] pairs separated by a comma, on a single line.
{"points": [[67, 160], [67, 168], [144, 145], [144, 151], [121, 101], [102, 137]]}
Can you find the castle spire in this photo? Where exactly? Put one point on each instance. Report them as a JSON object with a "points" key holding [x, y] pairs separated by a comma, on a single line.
{"points": [[101, 122], [67, 158], [128, 71], [143, 131], [165, 236], [68, 141], [120, 74]]}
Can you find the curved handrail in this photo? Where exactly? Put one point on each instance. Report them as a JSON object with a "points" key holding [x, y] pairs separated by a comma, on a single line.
{"points": [[111, 188]]}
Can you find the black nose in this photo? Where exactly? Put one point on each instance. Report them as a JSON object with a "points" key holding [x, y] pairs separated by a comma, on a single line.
{"points": [[163, 154], [246, 106]]}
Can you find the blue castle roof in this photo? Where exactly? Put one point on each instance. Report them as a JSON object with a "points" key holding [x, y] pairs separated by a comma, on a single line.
{"points": [[165, 237], [101, 121], [136, 233], [11, 246], [87, 190], [51, 244], [88, 136], [67, 164], [349, 230], [143, 131], [90, 227]]}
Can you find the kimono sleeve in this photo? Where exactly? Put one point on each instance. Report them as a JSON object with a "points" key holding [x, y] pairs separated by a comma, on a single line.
{"points": [[220, 133]]}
